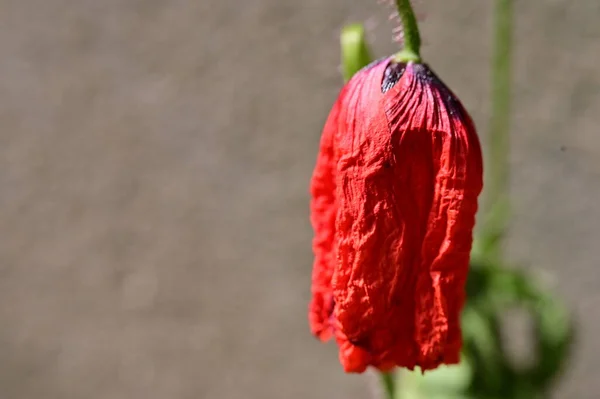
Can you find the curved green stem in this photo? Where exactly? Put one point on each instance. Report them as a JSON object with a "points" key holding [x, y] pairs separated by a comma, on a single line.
{"points": [[387, 380], [412, 38]]}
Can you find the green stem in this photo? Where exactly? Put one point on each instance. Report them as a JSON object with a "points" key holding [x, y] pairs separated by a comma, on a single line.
{"points": [[355, 50], [387, 380], [496, 207], [412, 38]]}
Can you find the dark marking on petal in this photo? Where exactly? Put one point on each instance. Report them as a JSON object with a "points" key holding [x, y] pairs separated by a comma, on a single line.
{"points": [[392, 75], [427, 76], [423, 72]]}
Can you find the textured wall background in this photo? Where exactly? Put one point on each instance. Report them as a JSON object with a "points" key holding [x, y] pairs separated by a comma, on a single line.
{"points": [[154, 163]]}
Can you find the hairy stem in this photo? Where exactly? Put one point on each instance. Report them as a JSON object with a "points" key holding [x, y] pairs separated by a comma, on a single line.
{"points": [[412, 38]]}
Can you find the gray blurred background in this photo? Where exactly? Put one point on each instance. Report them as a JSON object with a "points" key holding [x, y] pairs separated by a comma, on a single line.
{"points": [[154, 163]]}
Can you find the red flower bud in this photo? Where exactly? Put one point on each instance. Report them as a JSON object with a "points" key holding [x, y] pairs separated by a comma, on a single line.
{"points": [[394, 197]]}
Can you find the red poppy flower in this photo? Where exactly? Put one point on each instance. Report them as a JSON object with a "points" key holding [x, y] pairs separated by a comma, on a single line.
{"points": [[394, 197]]}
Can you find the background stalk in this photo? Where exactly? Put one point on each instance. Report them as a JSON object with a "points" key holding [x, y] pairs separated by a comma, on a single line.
{"points": [[496, 206]]}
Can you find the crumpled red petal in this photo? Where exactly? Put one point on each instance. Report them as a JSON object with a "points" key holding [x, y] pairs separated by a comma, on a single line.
{"points": [[394, 197], [323, 213]]}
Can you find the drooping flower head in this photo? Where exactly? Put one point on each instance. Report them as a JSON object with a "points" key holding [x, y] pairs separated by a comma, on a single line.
{"points": [[394, 197]]}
